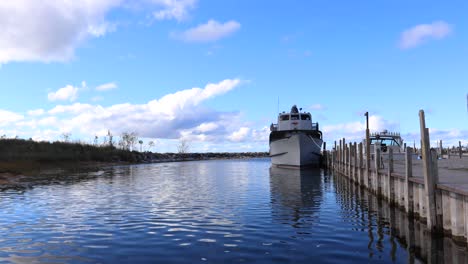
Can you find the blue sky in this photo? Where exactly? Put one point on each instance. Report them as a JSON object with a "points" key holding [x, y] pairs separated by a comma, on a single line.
{"points": [[85, 67]]}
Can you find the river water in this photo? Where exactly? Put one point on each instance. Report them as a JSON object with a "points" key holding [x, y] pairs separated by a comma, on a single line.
{"points": [[228, 211]]}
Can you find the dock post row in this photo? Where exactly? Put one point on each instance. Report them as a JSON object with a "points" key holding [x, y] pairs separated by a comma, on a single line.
{"points": [[441, 208]]}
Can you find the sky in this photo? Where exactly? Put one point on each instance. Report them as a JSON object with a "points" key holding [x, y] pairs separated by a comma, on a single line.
{"points": [[216, 73]]}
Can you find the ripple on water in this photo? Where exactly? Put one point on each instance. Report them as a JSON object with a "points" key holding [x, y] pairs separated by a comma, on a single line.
{"points": [[210, 211]]}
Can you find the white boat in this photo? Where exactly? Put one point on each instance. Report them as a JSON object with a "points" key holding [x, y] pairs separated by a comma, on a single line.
{"points": [[295, 141], [386, 140]]}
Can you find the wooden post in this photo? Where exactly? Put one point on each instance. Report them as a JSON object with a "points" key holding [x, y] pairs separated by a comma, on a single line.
{"points": [[346, 156], [347, 160], [367, 176], [376, 179], [324, 155], [460, 149], [332, 159], [361, 156], [343, 157], [437, 194], [390, 191], [368, 164], [355, 162], [340, 155], [334, 156], [441, 149], [350, 146], [428, 176], [409, 185]]}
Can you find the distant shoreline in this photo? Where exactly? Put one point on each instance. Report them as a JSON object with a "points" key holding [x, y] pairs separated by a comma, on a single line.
{"points": [[24, 158], [13, 172]]}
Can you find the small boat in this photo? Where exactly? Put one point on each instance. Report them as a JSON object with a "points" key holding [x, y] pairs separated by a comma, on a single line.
{"points": [[386, 140], [295, 141]]}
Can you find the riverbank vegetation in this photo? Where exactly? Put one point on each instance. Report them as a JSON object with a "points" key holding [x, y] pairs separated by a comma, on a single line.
{"points": [[21, 156]]}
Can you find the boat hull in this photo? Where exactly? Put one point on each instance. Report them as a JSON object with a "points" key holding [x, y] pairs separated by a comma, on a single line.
{"points": [[295, 149]]}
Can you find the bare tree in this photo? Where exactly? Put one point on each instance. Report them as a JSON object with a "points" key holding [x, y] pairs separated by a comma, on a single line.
{"points": [[66, 136], [141, 145], [151, 145], [111, 138], [183, 146], [128, 140]]}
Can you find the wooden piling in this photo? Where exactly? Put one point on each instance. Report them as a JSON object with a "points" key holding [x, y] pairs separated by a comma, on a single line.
{"points": [[340, 156], [376, 182], [368, 164], [355, 164], [437, 193], [460, 153], [389, 184], [346, 156], [361, 156], [349, 151], [441, 149], [429, 183], [408, 184], [334, 156], [324, 155]]}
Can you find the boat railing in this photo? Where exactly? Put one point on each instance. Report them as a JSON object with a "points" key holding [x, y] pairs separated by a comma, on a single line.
{"points": [[315, 126], [394, 134], [273, 127]]}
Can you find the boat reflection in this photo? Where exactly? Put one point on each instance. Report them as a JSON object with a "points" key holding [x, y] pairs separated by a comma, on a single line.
{"points": [[296, 195]]}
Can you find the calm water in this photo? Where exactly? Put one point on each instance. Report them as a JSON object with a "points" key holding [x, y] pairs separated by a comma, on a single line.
{"points": [[236, 211]]}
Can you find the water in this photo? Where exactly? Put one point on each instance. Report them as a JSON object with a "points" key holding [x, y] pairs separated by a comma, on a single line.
{"points": [[234, 211]]}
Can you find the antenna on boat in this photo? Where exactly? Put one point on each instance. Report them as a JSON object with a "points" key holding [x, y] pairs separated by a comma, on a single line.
{"points": [[277, 107]]}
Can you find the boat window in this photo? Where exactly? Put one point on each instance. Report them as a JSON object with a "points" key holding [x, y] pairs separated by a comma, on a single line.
{"points": [[284, 117], [294, 117], [386, 141], [305, 117]]}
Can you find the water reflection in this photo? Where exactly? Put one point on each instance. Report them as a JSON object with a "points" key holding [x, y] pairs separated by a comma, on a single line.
{"points": [[295, 194], [210, 212], [389, 229]]}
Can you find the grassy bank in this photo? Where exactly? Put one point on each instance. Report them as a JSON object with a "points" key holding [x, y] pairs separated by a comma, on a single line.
{"points": [[27, 157]]}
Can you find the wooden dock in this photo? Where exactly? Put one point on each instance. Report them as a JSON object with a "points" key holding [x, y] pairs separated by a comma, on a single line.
{"points": [[431, 189]]}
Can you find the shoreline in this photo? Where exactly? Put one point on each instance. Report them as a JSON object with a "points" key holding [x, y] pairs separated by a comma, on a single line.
{"points": [[12, 172]]}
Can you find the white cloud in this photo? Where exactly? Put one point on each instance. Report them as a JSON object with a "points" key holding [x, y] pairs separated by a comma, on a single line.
{"points": [[317, 107], [36, 112], [419, 34], [68, 92], [181, 114], [240, 134], [49, 30], [106, 86], [170, 116], [173, 9], [7, 117], [75, 108], [209, 32], [97, 98], [206, 127]]}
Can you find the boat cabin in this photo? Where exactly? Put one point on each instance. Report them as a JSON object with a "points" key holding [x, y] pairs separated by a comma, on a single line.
{"points": [[295, 120], [386, 140]]}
